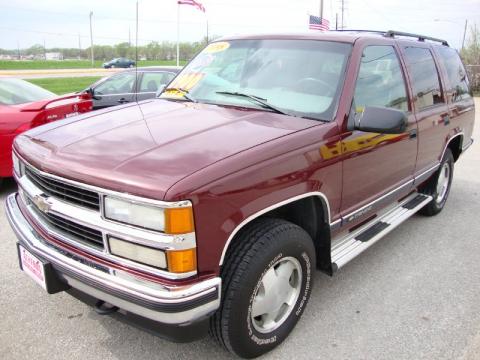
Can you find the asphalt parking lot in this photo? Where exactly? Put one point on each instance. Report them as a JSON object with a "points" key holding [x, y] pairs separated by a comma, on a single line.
{"points": [[414, 295]]}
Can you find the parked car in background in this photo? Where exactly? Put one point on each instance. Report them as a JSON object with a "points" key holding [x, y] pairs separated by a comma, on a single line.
{"points": [[24, 105], [119, 63], [130, 85], [267, 157]]}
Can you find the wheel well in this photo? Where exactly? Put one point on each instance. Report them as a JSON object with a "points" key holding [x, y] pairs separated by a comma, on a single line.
{"points": [[455, 145], [311, 214]]}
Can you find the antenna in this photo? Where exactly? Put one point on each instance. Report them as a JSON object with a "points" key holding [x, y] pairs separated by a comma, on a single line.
{"points": [[136, 56]]}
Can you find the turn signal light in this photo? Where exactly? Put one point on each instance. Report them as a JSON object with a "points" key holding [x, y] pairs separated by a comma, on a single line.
{"points": [[179, 220], [181, 261]]}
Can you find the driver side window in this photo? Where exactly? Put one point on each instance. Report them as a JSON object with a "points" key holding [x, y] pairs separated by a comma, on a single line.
{"points": [[380, 80], [117, 84]]}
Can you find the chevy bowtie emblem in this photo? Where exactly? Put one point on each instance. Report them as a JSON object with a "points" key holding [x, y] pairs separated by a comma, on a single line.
{"points": [[75, 107], [42, 204]]}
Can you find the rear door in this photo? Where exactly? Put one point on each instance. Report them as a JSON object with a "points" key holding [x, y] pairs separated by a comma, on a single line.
{"points": [[151, 82], [116, 90], [429, 105]]}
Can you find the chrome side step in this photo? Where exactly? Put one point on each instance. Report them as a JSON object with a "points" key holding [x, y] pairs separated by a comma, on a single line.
{"points": [[356, 242]]}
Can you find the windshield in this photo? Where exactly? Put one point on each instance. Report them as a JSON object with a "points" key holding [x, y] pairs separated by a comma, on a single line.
{"points": [[296, 77], [15, 91]]}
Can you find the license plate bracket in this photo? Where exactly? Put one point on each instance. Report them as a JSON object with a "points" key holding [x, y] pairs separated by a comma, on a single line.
{"points": [[41, 271]]}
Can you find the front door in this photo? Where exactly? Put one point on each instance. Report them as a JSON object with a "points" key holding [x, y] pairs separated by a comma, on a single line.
{"points": [[116, 90], [377, 164]]}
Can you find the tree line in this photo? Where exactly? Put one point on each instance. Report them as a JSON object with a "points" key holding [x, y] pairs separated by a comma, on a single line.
{"points": [[154, 50]]}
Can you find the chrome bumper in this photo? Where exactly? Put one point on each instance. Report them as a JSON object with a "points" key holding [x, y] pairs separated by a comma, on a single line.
{"points": [[163, 303]]}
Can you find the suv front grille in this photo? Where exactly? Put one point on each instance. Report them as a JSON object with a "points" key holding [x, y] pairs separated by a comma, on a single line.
{"points": [[83, 234], [66, 192]]}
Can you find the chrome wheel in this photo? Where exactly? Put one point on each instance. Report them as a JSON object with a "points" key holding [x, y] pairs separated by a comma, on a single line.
{"points": [[277, 294], [443, 182]]}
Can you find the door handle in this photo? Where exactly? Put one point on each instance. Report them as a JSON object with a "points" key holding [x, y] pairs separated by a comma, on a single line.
{"points": [[413, 134], [122, 101]]}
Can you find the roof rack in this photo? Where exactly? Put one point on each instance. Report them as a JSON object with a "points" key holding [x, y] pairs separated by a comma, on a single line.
{"points": [[393, 33]]}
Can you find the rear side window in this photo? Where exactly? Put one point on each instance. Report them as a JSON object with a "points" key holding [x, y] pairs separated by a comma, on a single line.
{"points": [[425, 80], [380, 80], [456, 72]]}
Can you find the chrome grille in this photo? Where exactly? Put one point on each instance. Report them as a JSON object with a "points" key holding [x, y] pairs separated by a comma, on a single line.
{"points": [[84, 234], [64, 191]]}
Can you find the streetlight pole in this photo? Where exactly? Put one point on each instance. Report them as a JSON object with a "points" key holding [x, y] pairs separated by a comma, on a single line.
{"points": [[464, 34], [91, 38]]}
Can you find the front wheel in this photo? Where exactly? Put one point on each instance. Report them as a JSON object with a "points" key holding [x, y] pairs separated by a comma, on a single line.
{"points": [[439, 186], [267, 281]]}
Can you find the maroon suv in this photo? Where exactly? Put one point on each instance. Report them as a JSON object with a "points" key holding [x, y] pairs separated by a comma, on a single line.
{"points": [[266, 158]]}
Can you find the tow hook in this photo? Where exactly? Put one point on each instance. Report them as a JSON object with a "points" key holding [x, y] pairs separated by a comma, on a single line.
{"points": [[102, 309]]}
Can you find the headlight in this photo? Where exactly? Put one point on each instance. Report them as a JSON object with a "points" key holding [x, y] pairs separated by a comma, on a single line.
{"points": [[18, 166], [168, 220], [145, 216]]}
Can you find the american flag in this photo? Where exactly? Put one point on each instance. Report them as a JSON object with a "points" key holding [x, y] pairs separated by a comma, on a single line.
{"points": [[315, 23], [198, 5]]}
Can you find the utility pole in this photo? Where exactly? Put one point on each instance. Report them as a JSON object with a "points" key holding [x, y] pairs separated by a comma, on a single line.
{"points": [[336, 21], [343, 12], [91, 38], [44, 50], [178, 34], [207, 30], [79, 47], [464, 34], [129, 42], [18, 50]]}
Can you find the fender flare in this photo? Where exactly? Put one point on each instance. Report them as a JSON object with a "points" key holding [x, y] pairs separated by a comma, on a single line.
{"points": [[320, 195]]}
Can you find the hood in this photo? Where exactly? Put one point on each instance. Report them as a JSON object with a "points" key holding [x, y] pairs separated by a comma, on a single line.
{"points": [[145, 149]]}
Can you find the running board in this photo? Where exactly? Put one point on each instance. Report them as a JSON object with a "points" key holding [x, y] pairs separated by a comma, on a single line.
{"points": [[353, 244]]}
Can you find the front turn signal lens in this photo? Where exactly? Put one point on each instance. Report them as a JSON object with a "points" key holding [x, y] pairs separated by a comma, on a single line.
{"points": [[179, 220], [181, 261]]}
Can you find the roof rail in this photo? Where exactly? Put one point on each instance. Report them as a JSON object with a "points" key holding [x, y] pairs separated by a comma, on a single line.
{"points": [[393, 33]]}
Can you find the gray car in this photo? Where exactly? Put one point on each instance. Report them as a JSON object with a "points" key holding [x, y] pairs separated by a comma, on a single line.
{"points": [[131, 85]]}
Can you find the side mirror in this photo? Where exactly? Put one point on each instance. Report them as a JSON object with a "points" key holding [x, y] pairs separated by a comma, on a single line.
{"points": [[91, 91], [381, 120], [160, 90]]}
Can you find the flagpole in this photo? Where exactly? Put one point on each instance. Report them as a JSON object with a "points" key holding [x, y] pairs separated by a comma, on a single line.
{"points": [[321, 10], [178, 34]]}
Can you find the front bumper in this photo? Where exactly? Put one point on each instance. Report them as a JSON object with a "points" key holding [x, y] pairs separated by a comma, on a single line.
{"points": [[167, 304]]}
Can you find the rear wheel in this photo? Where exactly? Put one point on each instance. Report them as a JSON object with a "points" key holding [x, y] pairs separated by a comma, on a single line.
{"points": [[439, 186], [267, 280]]}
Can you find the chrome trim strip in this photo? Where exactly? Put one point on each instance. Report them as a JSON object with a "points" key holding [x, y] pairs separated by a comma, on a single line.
{"points": [[372, 203], [425, 174], [449, 141], [272, 207], [122, 282]]}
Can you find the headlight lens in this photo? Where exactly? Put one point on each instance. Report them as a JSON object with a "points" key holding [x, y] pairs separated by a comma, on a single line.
{"points": [[142, 215]]}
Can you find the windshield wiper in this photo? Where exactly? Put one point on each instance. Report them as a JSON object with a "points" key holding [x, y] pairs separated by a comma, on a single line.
{"points": [[185, 93], [263, 102]]}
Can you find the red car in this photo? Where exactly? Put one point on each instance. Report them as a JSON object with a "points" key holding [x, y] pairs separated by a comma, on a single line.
{"points": [[24, 106]]}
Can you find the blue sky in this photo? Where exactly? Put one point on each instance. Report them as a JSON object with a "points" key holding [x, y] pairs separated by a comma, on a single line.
{"points": [[60, 22]]}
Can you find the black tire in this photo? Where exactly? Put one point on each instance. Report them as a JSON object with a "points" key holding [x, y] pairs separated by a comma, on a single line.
{"points": [[430, 188], [258, 248]]}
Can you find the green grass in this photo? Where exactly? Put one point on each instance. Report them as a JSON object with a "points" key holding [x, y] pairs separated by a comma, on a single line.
{"points": [[65, 85], [70, 64]]}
